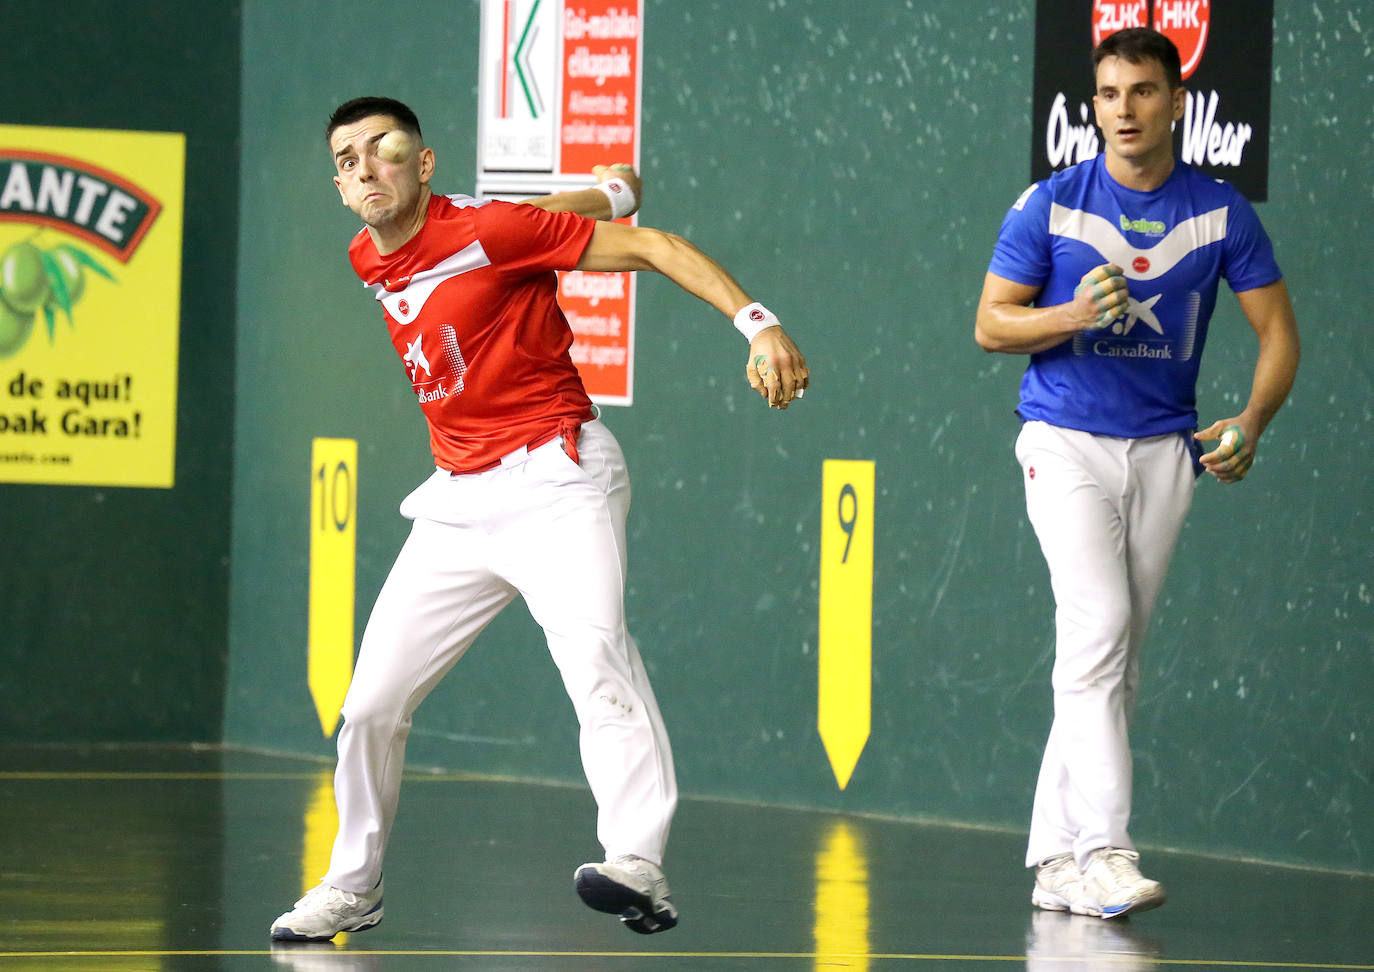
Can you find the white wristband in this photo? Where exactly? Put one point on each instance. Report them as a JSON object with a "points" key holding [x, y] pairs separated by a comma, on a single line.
{"points": [[621, 196], [754, 318]]}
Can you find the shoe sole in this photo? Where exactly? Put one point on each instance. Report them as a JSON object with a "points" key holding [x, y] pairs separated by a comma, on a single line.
{"points": [[282, 933], [636, 910], [1120, 911], [1047, 901], [1135, 907]]}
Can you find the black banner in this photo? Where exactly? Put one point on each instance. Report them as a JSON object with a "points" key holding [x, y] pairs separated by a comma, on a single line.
{"points": [[1226, 47]]}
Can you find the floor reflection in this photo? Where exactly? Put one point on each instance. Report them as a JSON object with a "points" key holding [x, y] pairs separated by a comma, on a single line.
{"points": [[842, 927], [92, 857], [320, 826], [321, 957], [178, 859], [1058, 942]]}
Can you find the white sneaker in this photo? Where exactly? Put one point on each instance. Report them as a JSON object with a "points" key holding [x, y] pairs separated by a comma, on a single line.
{"points": [[325, 911], [1058, 885], [631, 887], [1113, 885]]}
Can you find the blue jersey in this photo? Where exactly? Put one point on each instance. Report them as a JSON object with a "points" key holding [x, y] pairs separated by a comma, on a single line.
{"points": [[1136, 377]]}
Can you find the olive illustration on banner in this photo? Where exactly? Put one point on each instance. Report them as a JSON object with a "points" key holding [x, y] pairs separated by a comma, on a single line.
{"points": [[22, 278], [65, 267], [32, 278], [14, 329]]}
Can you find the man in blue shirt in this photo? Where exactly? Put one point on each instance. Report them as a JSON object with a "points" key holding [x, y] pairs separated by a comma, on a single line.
{"points": [[1106, 274]]}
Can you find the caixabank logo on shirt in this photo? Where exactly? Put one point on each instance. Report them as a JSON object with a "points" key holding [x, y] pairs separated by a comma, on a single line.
{"points": [[1226, 51]]}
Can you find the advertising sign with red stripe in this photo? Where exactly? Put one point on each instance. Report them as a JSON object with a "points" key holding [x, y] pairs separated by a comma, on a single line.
{"points": [[559, 93], [1226, 51], [90, 287]]}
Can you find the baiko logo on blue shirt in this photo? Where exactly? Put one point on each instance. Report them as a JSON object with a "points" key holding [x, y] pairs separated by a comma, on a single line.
{"points": [[1149, 227]]}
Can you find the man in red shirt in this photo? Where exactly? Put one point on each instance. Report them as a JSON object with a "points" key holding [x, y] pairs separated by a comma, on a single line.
{"points": [[529, 496]]}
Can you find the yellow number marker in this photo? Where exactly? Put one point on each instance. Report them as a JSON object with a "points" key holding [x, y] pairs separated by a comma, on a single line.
{"points": [[846, 612], [333, 550]]}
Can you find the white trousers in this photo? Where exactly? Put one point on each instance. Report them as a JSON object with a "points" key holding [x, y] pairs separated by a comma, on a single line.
{"points": [[1107, 512], [552, 531]]}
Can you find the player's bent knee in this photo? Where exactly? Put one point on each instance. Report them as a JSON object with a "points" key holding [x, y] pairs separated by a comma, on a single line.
{"points": [[611, 703], [371, 718], [1093, 673]]}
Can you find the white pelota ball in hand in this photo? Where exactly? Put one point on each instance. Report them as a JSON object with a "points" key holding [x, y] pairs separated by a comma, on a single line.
{"points": [[394, 146]]}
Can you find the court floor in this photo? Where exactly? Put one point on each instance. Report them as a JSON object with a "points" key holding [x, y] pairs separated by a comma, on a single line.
{"points": [[125, 858]]}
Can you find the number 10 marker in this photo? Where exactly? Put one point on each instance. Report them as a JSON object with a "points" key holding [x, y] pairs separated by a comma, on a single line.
{"points": [[333, 546]]}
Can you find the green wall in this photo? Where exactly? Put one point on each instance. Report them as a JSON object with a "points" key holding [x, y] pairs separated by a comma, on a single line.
{"points": [[113, 602], [850, 163]]}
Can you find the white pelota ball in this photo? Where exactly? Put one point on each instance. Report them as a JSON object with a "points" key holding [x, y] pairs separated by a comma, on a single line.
{"points": [[394, 146]]}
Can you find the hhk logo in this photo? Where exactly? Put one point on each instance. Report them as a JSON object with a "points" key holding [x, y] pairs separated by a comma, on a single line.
{"points": [[1185, 22]]}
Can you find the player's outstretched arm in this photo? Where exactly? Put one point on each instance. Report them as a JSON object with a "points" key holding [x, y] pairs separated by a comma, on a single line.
{"points": [[1270, 313], [776, 369], [617, 193], [1007, 323]]}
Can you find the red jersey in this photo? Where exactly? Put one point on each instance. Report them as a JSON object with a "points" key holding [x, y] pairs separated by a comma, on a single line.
{"points": [[470, 302]]}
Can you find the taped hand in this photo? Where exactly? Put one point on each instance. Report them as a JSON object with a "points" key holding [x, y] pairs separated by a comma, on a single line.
{"points": [[1101, 296]]}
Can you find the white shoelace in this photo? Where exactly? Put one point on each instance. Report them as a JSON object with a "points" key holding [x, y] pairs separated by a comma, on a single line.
{"points": [[327, 897], [1121, 866]]}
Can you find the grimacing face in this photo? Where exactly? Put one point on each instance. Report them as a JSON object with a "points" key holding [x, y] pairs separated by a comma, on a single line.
{"points": [[378, 191], [1136, 110]]}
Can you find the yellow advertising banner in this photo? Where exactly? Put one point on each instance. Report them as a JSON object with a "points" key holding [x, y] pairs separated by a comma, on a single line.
{"points": [[90, 286]]}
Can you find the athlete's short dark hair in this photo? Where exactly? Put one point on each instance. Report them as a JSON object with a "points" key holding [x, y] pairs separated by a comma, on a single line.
{"points": [[1136, 44], [359, 108]]}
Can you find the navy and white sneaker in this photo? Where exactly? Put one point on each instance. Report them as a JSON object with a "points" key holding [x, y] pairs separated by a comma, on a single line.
{"points": [[631, 887], [325, 911]]}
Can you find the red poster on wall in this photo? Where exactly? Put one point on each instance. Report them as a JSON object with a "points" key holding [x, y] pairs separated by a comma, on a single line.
{"points": [[600, 310], [559, 93], [600, 83]]}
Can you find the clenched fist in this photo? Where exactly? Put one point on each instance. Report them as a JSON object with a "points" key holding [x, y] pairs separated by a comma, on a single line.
{"points": [[1101, 296]]}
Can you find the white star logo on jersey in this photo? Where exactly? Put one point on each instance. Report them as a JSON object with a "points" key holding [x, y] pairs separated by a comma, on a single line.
{"points": [[1142, 312], [415, 359]]}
